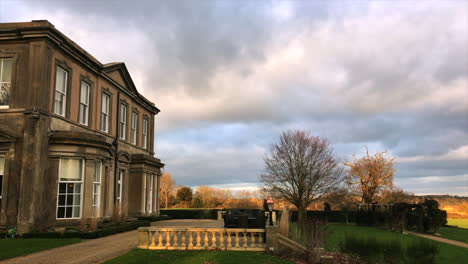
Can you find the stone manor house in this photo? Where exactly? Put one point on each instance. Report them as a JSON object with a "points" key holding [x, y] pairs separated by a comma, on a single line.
{"points": [[76, 137]]}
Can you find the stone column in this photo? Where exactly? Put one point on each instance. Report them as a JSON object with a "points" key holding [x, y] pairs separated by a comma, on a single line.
{"points": [[155, 186], [158, 192], [143, 193]]}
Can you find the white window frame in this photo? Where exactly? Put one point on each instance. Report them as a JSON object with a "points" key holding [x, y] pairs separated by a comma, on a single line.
{"points": [[84, 103], [105, 107], [96, 203], [134, 127], [2, 175], [145, 133], [6, 83], [119, 186], [66, 193], [64, 103], [123, 122]]}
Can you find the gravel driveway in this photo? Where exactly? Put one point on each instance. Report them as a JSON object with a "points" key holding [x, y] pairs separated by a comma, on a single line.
{"points": [[90, 251]]}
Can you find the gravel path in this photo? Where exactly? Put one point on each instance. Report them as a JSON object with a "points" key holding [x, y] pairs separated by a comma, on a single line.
{"points": [[90, 251], [440, 239]]}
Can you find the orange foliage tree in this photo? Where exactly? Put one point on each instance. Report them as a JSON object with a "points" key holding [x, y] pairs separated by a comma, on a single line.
{"points": [[371, 174]]}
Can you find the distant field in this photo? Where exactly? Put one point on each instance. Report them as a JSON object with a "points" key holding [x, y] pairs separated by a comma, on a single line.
{"points": [[463, 223]]}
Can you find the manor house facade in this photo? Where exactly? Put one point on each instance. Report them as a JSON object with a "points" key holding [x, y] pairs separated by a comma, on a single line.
{"points": [[76, 137]]}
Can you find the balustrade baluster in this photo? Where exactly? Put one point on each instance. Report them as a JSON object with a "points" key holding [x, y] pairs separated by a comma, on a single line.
{"points": [[151, 235], [176, 235], [206, 239], [237, 239], [245, 239], [198, 239], [221, 239], [183, 238], [214, 240], [190, 238], [260, 239], [252, 240], [168, 238], [229, 242], [159, 238]]}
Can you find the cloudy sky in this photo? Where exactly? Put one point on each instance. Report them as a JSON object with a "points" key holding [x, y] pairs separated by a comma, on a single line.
{"points": [[229, 76]]}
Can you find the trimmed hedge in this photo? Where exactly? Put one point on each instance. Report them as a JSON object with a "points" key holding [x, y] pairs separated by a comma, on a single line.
{"points": [[191, 213], [111, 230], [154, 218], [333, 216]]}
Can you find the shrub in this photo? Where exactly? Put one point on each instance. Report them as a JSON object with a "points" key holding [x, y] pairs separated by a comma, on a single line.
{"points": [[102, 232], [191, 213], [42, 235]]}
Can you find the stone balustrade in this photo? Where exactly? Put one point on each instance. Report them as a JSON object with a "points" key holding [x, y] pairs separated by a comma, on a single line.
{"points": [[201, 239]]}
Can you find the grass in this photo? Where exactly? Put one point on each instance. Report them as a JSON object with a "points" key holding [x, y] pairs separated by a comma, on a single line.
{"points": [[196, 257], [10, 248], [462, 223], [447, 253], [454, 233]]}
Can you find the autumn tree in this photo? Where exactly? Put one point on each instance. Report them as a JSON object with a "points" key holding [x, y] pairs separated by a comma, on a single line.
{"points": [[184, 195], [300, 169], [167, 187], [371, 174]]}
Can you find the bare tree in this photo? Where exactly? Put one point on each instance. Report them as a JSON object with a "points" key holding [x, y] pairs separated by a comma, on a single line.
{"points": [[167, 187], [300, 169], [371, 173]]}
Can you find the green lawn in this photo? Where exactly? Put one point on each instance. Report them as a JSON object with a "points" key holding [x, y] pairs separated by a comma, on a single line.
{"points": [[454, 233], [197, 257], [447, 254], [10, 248], [463, 223]]}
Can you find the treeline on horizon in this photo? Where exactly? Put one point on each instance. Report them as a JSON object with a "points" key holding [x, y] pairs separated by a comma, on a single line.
{"points": [[173, 196]]}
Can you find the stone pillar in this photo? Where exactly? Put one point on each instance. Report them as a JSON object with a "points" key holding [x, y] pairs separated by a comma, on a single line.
{"points": [[142, 237], [158, 193], [271, 233], [153, 196]]}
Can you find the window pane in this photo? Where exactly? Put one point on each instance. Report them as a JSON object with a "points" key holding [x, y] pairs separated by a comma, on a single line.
{"points": [[76, 211], [62, 187], [71, 169], [84, 97], [97, 171], [61, 80], [6, 70], [68, 212], [61, 212], [76, 199], [2, 164], [77, 187], [61, 199], [1, 185]]}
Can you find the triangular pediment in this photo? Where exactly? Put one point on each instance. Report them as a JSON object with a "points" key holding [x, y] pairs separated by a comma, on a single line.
{"points": [[118, 72]]}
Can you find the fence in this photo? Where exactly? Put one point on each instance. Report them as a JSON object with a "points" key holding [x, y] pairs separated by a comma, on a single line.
{"points": [[201, 239]]}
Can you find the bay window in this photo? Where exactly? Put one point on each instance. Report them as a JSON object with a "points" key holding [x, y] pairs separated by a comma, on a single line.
{"points": [[149, 193], [60, 101], [6, 66], [84, 103], [69, 197]]}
